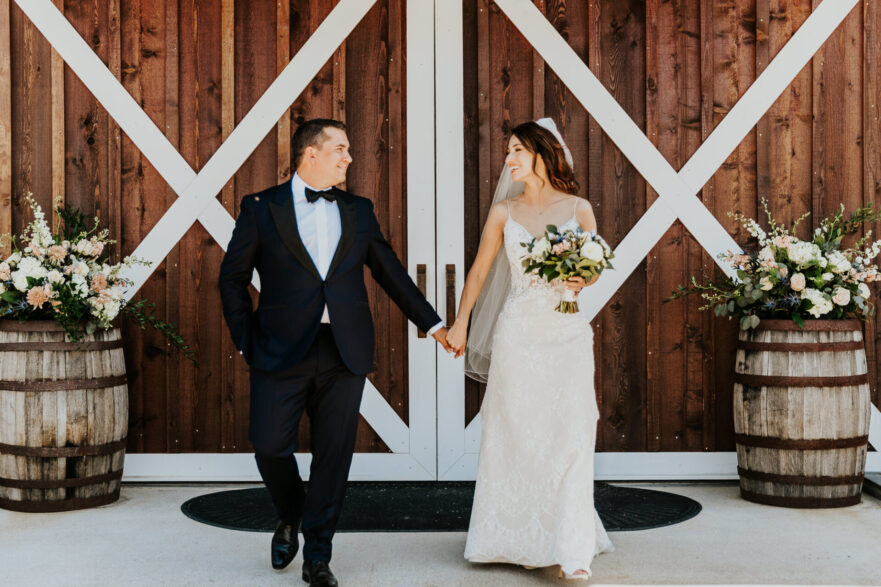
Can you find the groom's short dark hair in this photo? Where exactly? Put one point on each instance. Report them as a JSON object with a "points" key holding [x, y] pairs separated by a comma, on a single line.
{"points": [[311, 134]]}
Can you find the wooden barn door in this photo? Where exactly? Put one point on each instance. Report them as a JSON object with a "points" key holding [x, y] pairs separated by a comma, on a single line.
{"points": [[202, 98], [504, 81]]}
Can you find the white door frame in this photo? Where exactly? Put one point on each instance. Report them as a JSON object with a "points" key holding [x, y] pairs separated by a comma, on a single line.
{"points": [[458, 444], [413, 447]]}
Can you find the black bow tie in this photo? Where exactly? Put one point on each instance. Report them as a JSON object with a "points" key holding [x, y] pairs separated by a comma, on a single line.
{"points": [[312, 195]]}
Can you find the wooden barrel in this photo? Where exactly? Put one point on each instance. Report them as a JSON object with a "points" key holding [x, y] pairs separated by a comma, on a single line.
{"points": [[801, 413], [63, 418]]}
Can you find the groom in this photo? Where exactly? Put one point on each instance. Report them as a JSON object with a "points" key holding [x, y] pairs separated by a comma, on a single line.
{"points": [[309, 345]]}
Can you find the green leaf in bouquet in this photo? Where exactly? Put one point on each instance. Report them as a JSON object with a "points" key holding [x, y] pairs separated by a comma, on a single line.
{"points": [[552, 229], [720, 310], [754, 321], [744, 322], [10, 296], [799, 321]]}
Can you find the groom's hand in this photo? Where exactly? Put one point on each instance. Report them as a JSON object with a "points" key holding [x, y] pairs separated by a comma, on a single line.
{"points": [[440, 335]]}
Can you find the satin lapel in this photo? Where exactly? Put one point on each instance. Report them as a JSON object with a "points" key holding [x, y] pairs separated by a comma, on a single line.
{"points": [[285, 219], [348, 227]]}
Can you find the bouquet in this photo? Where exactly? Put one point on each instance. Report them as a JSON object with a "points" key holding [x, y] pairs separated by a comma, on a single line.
{"points": [[786, 277], [557, 256], [67, 278]]}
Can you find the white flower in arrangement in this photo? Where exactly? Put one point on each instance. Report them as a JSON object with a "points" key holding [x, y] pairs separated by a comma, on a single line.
{"points": [[13, 259], [541, 247], [755, 230], [592, 250], [797, 282], [838, 262], [55, 276], [819, 304], [863, 291], [802, 253], [872, 251], [765, 284], [841, 296], [766, 255], [827, 276]]}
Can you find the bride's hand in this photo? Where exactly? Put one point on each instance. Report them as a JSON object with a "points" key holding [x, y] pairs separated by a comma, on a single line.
{"points": [[576, 284], [457, 337]]}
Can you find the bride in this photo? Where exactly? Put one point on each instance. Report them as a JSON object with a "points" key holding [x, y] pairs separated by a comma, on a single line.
{"points": [[533, 502]]}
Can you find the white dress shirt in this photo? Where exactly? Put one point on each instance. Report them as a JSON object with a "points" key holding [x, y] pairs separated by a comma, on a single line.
{"points": [[320, 228]]}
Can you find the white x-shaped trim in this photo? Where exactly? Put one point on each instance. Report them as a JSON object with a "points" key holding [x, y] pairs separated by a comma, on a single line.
{"points": [[197, 191], [676, 191]]}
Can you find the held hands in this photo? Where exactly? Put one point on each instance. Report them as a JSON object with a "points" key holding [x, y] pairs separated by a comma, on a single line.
{"points": [[440, 335], [457, 337]]}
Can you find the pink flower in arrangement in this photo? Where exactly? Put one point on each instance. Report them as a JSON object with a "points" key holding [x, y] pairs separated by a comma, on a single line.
{"points": [[57, 253], [37, 296], [5, 271], [99, 282]]}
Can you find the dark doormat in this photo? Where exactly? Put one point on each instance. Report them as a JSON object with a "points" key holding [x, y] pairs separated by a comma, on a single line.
{"points": [[426, 507]]}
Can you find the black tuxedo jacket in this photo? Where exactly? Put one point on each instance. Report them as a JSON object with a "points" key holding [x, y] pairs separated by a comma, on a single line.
{"points": [[292, 293]]}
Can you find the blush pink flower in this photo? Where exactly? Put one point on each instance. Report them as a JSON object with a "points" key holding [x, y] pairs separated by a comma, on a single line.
{"points": [[99, 282], [57, 253], [37, 296]]}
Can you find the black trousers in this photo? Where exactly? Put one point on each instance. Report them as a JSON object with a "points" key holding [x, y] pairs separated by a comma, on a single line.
{"points": [[322, 385]]}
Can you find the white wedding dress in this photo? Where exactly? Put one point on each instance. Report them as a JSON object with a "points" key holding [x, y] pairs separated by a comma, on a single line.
{"points": [[533, 503]]}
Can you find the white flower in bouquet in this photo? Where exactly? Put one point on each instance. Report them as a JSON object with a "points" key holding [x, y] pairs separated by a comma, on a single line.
{"points": [[765, 284], [592, 250], [863, 291], [797, 282], [827, 276], [803, 253], [55, 276], [541, 247], [819, 304], [766, 256], [838, 262], [841, 296]]}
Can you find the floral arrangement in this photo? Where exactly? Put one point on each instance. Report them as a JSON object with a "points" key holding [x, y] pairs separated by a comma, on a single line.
{"points": [[67, 278], [786, 277], [557, 256]]}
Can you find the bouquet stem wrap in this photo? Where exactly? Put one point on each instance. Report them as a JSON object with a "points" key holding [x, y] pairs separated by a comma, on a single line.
{"points": [[568, 302]]}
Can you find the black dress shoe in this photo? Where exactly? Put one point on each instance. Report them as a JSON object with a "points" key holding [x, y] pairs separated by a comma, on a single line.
{"points": [[317, 574], [284, 545]]}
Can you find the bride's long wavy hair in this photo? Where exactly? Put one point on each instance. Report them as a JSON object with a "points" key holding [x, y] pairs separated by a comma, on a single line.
{"points": [[540, 141]]}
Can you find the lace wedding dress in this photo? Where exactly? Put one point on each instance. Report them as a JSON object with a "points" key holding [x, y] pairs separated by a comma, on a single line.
{"points": [[533, 503]]}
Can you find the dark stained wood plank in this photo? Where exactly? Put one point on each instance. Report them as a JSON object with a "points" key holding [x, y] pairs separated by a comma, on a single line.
{"points": [[475, 72], [690, 136], [31, 118], [708, 197], [147, 425], [538, 74], [397, 198], [228, 198], [837, 123], [594, 190], [57, 98], [658, 80], [6, 140], [367, 53], [173, 260], [623, 383], [113, 213], [871, 112], [282, 57]]}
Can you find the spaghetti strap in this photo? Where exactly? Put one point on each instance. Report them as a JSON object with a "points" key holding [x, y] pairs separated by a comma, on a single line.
{"points": [[575, 210], [508, 204]]}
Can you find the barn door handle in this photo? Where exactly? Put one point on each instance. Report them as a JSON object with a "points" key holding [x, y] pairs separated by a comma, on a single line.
{"points": [[451, 295], [420, 283]]}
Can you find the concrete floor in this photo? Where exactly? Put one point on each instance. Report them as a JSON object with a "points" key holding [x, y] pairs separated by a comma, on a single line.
{"points": [[144, 539]]}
